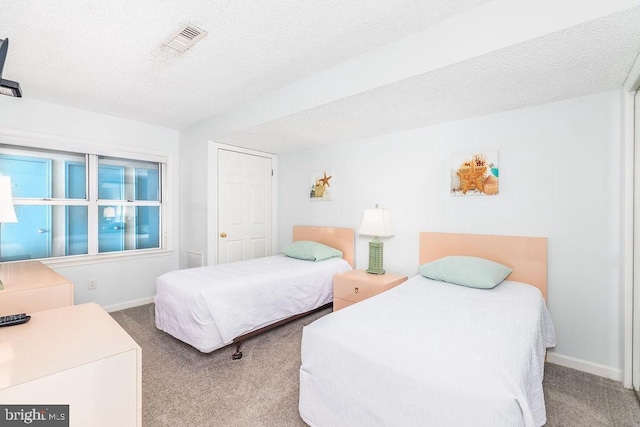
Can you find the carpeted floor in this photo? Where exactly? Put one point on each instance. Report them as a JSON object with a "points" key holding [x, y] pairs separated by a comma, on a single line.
{"points": [[183, 387], [575, 398]]}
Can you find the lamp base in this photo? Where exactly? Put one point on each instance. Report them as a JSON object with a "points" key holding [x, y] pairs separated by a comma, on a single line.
{"points": [[375, 257]]}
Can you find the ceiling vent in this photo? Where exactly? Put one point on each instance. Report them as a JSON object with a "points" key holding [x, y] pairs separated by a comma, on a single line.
{"points": [[184, 37]]}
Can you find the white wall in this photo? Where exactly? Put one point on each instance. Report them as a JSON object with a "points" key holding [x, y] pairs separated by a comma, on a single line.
{"points": [[193, 196], [120, 282], [434, 48], [560, 177]]}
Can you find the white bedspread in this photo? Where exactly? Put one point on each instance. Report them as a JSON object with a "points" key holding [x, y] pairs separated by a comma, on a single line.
{"points": [[429, 353], [208, 307]]}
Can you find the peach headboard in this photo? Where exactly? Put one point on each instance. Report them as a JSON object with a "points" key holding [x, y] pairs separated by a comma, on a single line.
{"points": [[342, 239], [527, 256]]}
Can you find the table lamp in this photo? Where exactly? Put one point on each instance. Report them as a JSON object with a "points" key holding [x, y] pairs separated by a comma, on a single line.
{"points": [[109, 213], [7, 212], [377, 223]]}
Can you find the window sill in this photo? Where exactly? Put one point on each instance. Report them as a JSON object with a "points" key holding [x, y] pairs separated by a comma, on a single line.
{"points": [[72, 261]]}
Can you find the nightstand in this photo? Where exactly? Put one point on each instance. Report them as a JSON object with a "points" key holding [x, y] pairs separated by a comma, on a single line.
{"points": [[357, 285]]}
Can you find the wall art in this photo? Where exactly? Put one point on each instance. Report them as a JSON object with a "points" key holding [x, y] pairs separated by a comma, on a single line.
{"points": [[322, 186], [475, 174]]}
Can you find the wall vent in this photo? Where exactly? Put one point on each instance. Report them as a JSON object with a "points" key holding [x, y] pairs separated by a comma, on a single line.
{"points": [[194, 259], [184, 37]]}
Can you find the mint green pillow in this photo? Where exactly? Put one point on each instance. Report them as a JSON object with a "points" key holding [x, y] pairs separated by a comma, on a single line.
{"points": [[468, 271], [311, 251]]}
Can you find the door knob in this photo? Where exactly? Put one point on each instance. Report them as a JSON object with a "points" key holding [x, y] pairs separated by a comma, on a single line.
{"points": [[42, 230], [223, 235]]}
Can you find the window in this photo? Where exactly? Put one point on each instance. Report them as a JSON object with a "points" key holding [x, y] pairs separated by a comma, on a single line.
{"points": [[73, 204]]}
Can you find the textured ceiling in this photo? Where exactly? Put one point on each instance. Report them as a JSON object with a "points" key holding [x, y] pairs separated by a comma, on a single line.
{"points": [[593, 57], [108, 57]]}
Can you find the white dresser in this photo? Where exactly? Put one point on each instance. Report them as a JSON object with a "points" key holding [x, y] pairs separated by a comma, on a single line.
{"points": [[78, 356]]}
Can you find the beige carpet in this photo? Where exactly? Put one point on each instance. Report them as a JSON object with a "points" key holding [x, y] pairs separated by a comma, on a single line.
{"points": [[575, 398], [183, 387]]}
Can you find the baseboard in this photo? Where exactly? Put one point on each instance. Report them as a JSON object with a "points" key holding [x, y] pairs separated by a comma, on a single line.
{"points": [[128, 304], [584, 366]]}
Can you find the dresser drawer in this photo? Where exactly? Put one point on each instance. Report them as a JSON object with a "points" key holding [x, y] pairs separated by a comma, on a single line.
{"points": [[358, 285], [352, 290], [37, 299], [30, 286]]}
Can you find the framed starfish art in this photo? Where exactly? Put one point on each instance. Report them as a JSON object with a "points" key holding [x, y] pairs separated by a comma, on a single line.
{"points": [[322, 185], [475, 174]]}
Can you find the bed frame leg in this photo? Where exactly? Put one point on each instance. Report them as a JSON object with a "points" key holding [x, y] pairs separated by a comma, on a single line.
{"points": [[240, 339], [238, 354]]}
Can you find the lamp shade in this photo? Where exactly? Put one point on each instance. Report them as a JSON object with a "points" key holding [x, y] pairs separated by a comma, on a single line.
{"points": [[7, 212], [376, 222], [109, 212]]}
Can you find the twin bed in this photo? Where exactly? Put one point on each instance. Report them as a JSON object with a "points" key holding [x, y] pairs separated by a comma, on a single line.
{"points": [[426, 352], [211, 307], [432, 353]]}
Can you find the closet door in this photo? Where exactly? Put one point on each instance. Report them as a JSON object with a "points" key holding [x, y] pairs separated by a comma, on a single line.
{"points": [[244, 206]]}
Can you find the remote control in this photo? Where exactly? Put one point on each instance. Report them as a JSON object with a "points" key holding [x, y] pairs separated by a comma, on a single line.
{"points": [[14, 319]]}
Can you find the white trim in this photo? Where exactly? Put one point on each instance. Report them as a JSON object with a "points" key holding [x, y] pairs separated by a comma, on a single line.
{"points": [[77, 260], [166, 213], [212, 202], [631, 85], [92, 189], [627, 236], [585, 366], [212, 195], [128, 304], [59, 143], [274, 204], [222, 146]]}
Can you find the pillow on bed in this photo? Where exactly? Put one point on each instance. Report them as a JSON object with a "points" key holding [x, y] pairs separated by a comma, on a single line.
{"points": [[468, 271], [311, 251]]}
